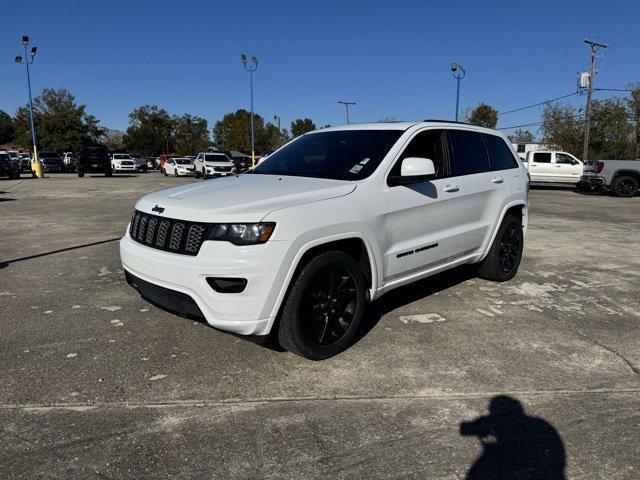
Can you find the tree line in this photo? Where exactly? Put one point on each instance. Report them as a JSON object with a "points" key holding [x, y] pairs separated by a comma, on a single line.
{"points": [[64, 125], [614, 132]]}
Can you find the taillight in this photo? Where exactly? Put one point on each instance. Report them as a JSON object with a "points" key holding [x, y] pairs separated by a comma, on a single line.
{"points": [[599, 166]]}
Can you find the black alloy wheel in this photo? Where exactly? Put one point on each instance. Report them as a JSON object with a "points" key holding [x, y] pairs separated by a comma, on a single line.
{"points": [[510, 248], [328, 306]]}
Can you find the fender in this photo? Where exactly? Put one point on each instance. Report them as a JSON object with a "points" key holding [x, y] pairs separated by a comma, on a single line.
{"points": [[375, 261], [497, 225]]}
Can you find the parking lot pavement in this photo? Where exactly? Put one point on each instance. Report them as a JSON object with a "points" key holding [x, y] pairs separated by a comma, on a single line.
{"points": [[96, 383]]}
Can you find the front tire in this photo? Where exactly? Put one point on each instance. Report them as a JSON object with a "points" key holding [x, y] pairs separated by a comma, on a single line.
{"points": [[324, 308], [164, 170], [175, 173], [625, 186], [204, 173], [502, 261]]}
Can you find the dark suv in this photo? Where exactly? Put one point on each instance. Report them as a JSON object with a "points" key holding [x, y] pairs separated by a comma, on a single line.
{"points": [[51, 162], [9, 167], [94, 160]]}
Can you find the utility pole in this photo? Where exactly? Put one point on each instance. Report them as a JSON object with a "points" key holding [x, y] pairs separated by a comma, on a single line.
{"points": [[346, 106], [252, 67], [592, 73], [277, 119]]}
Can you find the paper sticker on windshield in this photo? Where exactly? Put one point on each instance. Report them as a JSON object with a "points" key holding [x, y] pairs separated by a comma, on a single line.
{"points": [[356, 169], [364, 161]]}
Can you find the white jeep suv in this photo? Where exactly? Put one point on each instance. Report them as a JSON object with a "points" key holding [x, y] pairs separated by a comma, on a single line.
{"points": [[332, 220], [213, 164]]}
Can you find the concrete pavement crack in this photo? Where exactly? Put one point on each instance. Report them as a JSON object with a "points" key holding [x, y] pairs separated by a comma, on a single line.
{"points": [[344, 398]]}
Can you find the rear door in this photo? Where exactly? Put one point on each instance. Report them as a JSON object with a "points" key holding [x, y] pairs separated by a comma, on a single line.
{"points": [[484, 187], [541, 167]]}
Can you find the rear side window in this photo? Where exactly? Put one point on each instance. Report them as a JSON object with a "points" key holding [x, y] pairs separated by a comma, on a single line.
{"points": [[500, 155], [470, 154], [542, 157]]}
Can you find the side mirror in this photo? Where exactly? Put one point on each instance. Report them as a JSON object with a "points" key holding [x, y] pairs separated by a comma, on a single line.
{"points": [[412, 170]]}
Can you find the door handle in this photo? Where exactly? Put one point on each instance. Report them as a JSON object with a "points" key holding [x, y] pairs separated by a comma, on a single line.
{"points": [[451, 188], [497, 180], [558, 166]]}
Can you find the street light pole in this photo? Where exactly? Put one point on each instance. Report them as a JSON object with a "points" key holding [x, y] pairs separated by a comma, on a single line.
{"points": [[346, 106], [28, 60], [458, 73], [252, 67], [277, 119]]}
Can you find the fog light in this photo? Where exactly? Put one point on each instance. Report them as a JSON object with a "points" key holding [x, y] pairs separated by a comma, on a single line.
{"points": [[227, 285]]}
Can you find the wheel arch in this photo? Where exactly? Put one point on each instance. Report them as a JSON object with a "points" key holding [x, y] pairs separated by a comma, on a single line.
{"points": [[626, 173], [354, 244], [518, 208]]}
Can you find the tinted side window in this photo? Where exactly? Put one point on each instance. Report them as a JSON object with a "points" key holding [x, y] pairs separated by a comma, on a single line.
{"points": [[428, 144], [542, 157], [500, 154], [564, 159], [470, 153]]}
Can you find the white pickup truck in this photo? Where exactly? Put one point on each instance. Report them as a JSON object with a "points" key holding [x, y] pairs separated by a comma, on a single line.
{"points": [[553, 166], [620, 177]]}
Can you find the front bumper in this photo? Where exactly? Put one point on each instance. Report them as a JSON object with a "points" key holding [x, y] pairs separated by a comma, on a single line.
{"points": [[124, 168], [250, 312]]}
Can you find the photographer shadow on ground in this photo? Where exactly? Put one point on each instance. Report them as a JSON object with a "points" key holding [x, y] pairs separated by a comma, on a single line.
{"points": [[515, 446]]}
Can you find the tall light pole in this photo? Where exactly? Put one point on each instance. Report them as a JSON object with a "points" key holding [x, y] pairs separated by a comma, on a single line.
{"points": [[458, 74], [276, 118], [251, 67], [28, 60], [592, 74], [346, 106]]}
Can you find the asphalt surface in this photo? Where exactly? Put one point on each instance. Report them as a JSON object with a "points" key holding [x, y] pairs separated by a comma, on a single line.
{"points": [[96, 383]]}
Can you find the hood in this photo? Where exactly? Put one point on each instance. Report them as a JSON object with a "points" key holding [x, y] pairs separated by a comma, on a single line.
{"points": [[242, 198]]}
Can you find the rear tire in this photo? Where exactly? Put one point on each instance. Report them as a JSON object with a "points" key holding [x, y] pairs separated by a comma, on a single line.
{"points": [[164, 170], [502, 261], [625, 186], [80, 174], [324, 307], [108, 173]]}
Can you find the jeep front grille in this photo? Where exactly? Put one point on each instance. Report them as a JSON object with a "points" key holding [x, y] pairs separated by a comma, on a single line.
{"points": [[171, 235]]}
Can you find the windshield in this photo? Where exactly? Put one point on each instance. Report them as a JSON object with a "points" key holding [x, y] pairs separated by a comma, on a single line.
{"points": [[183, 161], [341, 155], [216, 157], [121, 157]]}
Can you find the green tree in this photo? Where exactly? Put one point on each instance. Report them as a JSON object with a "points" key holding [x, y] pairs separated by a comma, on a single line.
{"points": [[191, 134], [484, 116], [562, 128], [633, 106], [6, 127], [233, 132], [112, 139], [150, 131], [521, 136], [300, 126], [61, 124], [272, 138], [612, 135]]}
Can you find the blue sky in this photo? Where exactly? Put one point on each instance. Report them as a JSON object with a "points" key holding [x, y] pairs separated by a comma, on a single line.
{"points": [[391, 58]]}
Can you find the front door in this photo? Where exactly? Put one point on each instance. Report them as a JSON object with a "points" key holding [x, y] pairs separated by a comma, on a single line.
{"points": [[423, 221], [567, 168]]}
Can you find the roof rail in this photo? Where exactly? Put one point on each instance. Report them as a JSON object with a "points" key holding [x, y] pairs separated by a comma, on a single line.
{"points": [[444, 121]]}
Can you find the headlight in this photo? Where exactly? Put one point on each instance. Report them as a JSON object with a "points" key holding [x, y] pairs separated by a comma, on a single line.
{"points": [[242, 233]]}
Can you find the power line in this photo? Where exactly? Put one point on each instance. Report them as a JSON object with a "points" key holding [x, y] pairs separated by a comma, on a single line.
{"points": [[520, 126], [545, 102]]}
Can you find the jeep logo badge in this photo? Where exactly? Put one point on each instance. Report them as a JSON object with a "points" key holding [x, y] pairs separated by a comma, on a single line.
{"points": [[158, 209]]}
